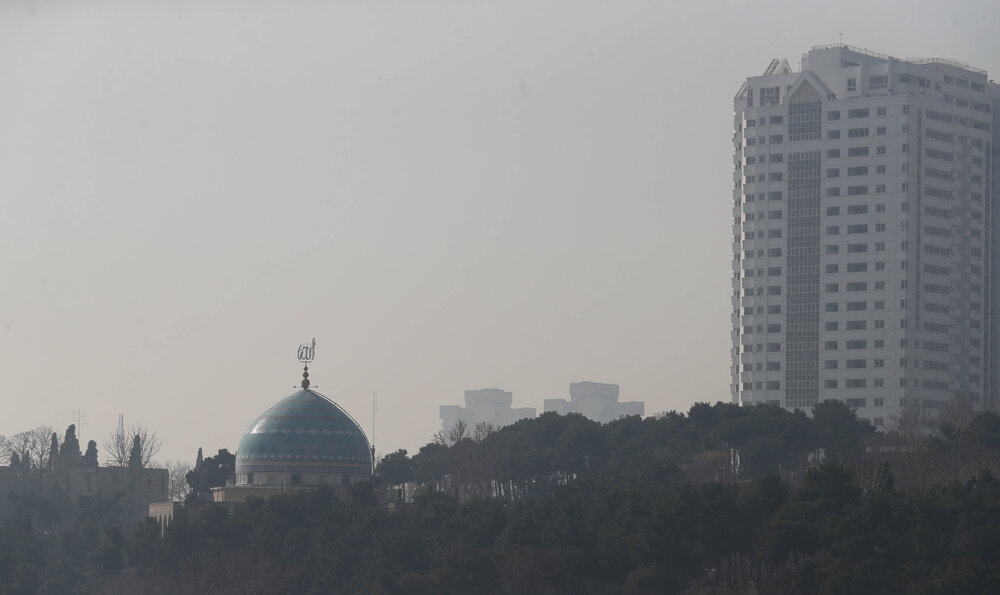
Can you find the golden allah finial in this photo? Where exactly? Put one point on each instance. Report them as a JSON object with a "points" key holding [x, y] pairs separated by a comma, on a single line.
{"points": [[307, 352]]}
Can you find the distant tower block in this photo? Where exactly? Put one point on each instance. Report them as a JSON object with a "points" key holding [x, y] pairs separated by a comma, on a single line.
{"points": [[490, 405], [596, 401]]}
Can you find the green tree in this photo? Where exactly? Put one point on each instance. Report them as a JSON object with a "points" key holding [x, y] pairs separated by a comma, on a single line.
{"points": [[838, 430], [90, 457], [395, 468], [70, 444], [53, 448], [213, 472], [135, 454]]}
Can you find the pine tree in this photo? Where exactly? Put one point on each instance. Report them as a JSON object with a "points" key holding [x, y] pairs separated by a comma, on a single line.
{"points": [[53, 450], [90, 457], [135, 456], [71, 444]]}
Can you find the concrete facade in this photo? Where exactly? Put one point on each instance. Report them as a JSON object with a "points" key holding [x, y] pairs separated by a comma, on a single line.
{"points": [[865, 234], [70, 477]]}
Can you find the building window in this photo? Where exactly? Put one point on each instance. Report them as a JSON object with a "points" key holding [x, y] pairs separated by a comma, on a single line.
{"points": [[878, 82], [857, 113], [769, 95], [852, 85], [804, 114], [296, 479]]}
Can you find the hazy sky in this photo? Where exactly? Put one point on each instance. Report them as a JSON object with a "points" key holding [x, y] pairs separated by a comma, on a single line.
{"points": [[447, 194]]}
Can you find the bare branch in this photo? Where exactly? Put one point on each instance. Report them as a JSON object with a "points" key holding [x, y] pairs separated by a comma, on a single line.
{"points": [[118, 446]]}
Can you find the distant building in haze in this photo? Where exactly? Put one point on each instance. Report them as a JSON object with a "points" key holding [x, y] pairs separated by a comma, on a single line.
{"points": [[490, 405], [596, 401], [67, 478], [865, 235]]}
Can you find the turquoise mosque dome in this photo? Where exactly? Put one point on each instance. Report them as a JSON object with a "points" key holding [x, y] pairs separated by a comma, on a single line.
{"points": [[303, 439]]}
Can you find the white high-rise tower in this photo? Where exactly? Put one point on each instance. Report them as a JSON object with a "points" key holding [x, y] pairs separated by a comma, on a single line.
{"points": [[865, 234]]}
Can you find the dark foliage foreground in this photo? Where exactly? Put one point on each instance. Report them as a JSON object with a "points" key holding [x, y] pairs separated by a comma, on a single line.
{"points": [[653, 535], [647, 529]]}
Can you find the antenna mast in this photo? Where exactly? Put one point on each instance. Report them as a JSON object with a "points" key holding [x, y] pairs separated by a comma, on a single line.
{"points": [[79, 417]]}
